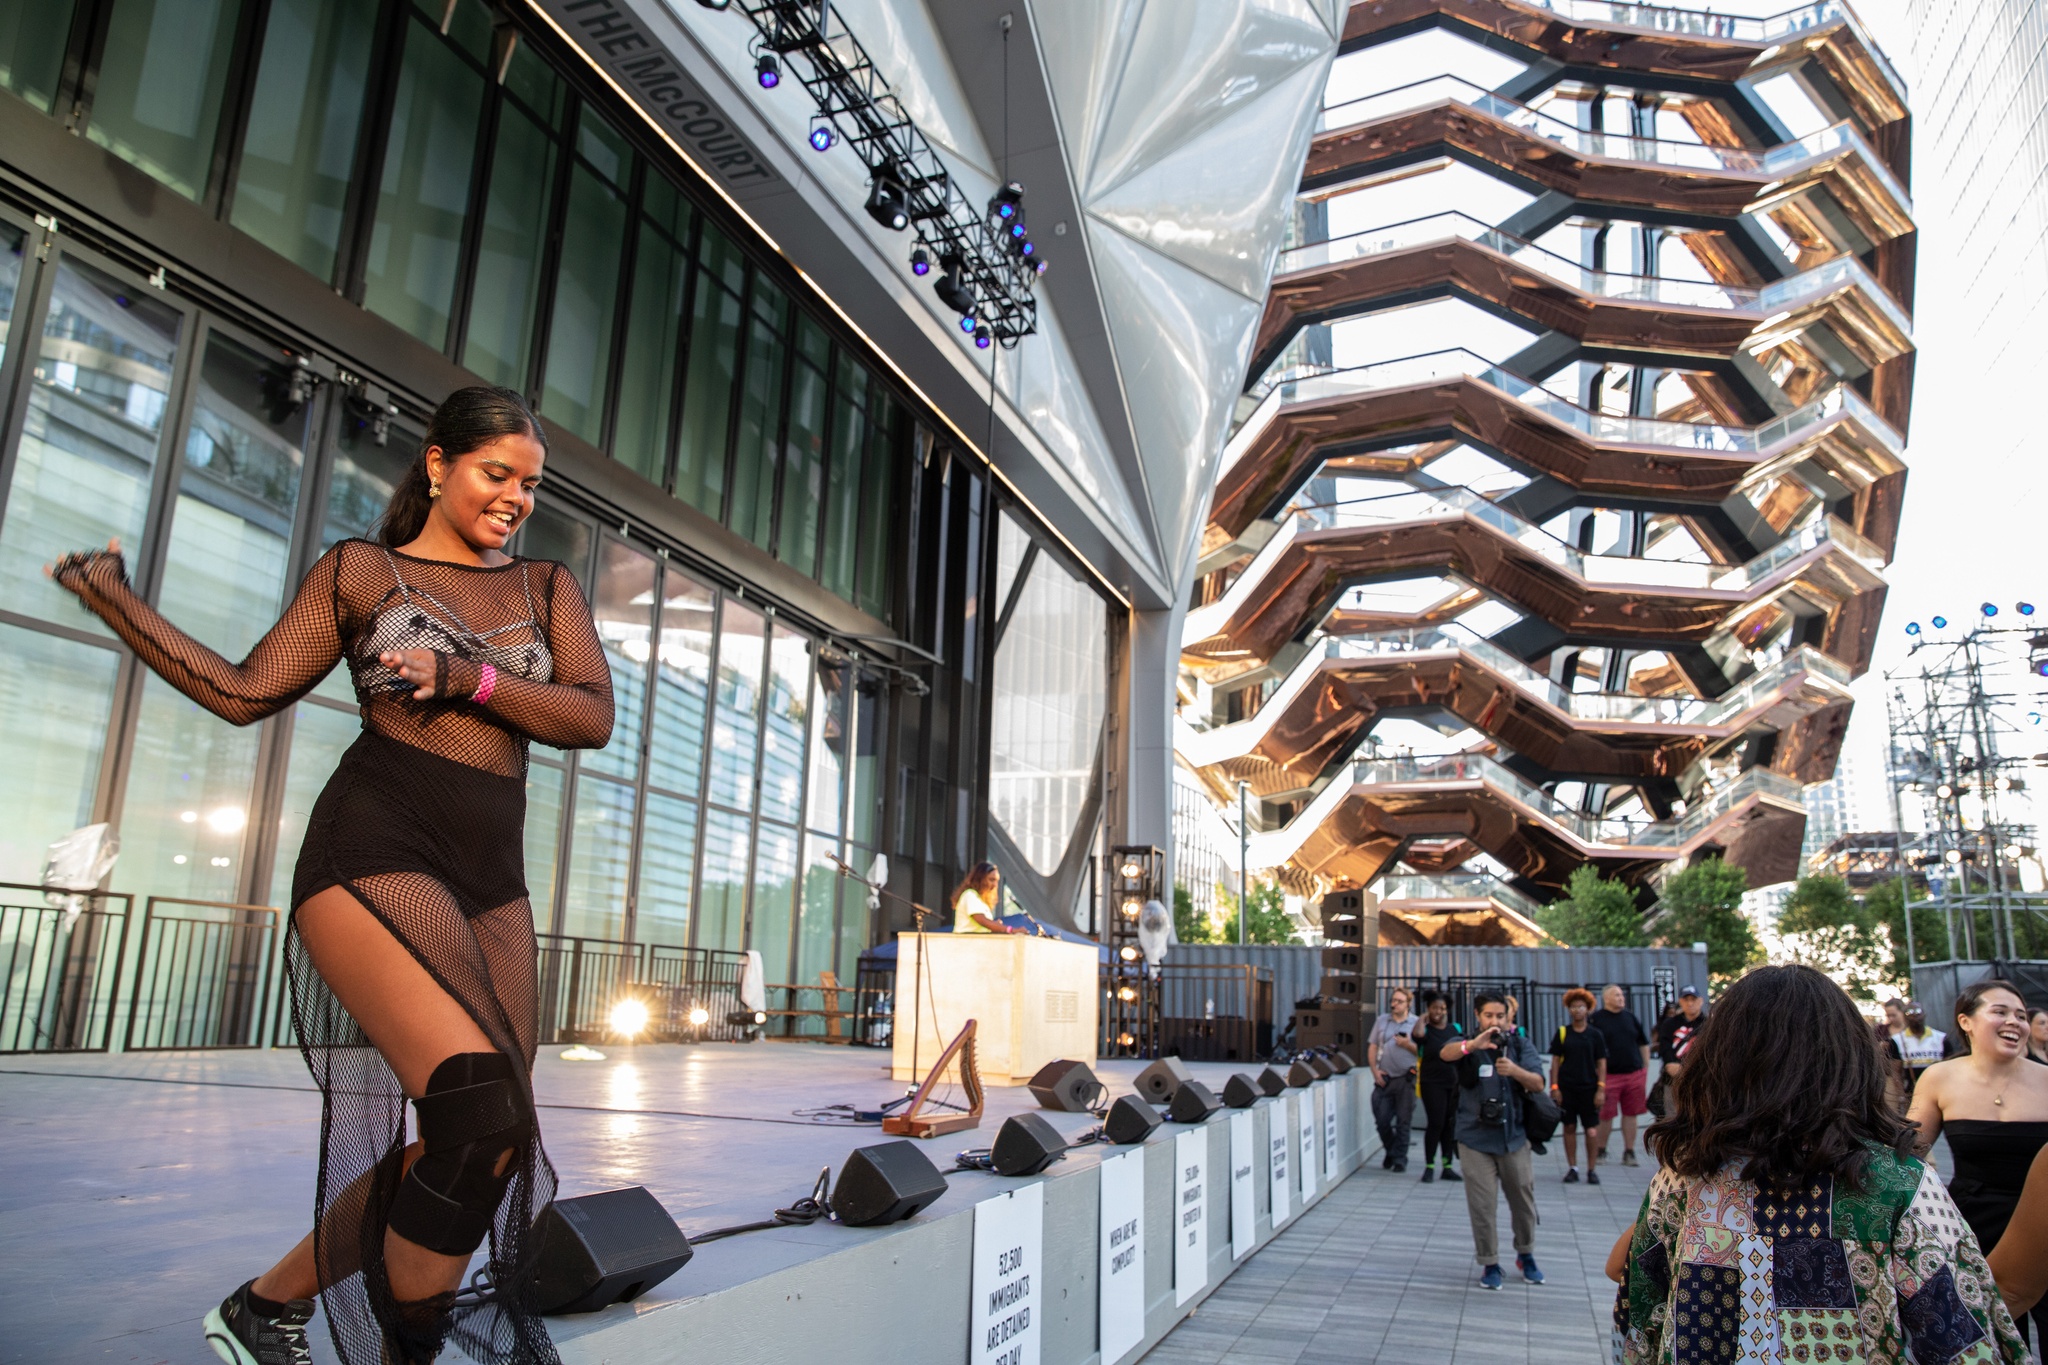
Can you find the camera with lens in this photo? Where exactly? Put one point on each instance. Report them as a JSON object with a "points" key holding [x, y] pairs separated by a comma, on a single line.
{"points": [[1493, 1110]]}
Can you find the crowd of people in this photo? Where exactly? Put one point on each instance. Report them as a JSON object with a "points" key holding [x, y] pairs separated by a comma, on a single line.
{"points": [[1800, 1209]]}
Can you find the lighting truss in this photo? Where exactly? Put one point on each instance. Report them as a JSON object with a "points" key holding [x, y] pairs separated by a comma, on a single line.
{"points": [[852, 95]]}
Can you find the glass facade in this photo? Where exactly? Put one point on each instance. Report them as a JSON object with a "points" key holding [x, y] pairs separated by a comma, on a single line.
{"points": [[512, 225]]}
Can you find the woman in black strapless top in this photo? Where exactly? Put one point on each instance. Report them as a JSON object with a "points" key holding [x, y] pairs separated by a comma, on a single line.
{"points": [[1992, 1105]]}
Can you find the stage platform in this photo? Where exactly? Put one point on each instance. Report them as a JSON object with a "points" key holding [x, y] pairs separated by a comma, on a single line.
{"points": [[136, 1189]]}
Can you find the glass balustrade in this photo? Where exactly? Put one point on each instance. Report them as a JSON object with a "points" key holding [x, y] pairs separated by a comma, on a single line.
{"points": [[1771, 163], [1456, 886]]}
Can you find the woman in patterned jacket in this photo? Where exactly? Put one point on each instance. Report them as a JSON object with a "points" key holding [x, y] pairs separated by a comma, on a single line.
{"points": [[1787, 1223]]}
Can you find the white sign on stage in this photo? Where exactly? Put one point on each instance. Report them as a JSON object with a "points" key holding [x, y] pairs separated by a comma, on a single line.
{"points": [[1330, 1130], [1009, 1247], [1123, 1254], [1244, 1217], [1278, 1140], [1305, 1148], [1191, 1214]]}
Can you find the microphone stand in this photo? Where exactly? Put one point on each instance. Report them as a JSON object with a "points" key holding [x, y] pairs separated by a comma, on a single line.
{"points": [[923, 963]]}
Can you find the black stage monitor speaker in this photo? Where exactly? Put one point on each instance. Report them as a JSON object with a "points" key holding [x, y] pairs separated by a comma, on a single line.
{"points": [[1322, 1068], [1130, 1120], [1272, 1082], [886, 1183], [1339, 1060], [1301, 1074], [1025, 1145], [602, 1249], [1069, 1087], [1193, 1103], [1240, 1091], [1158, 1081]]}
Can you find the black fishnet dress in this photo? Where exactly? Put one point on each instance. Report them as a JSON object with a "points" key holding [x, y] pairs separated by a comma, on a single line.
{"points": [[422, 822]]}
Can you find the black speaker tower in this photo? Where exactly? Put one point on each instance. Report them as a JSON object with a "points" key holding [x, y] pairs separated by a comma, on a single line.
{"points": [[1350, 969]]}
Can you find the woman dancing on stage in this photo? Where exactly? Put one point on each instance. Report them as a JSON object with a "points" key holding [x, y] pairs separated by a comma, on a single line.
{"points": [[411, 949]]}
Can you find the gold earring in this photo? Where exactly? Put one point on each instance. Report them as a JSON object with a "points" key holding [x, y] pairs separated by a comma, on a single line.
{"points": [[433, 488]]}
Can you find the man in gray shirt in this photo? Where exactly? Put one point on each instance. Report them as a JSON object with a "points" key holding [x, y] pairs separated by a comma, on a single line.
{"points": [[1391, 1052], [1494, 1067]]}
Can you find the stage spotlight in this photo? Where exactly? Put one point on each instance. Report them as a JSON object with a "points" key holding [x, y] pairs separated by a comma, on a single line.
{"points": [[1912, 627], [920, 263], [716, 4], [2024, 608], [1125, 1040], [1041, 267], [953, 291], [1131, 908], [1989, 609], [1027, 248], [822, 136], [1127, 993], [1954, 855], [1944, 791], [746, 1018], [1941, 623], [628, 1017], [1132, 871], [1129, 952], [1007, 202], [1017, 231], [699, 1017], [967, 324], [888, 204], [982, 337], [767, 71]]}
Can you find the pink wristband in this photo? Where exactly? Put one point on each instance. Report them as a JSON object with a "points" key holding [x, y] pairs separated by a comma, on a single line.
{"points": [[487, 681]]}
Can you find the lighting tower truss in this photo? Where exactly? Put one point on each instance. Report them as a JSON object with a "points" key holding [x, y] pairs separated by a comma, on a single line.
{"points": [[1626, 562], [1959, 763], [856, 100]]}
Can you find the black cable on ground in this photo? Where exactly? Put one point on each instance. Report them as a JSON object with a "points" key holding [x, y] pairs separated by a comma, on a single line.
{"points": [[802, 1213]]}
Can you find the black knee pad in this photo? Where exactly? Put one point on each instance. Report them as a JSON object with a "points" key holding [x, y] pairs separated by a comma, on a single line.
{"points": [[474, 1112]]}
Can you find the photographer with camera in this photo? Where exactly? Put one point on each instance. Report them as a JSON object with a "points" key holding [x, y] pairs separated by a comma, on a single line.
{"points": [[1495, 1067]]}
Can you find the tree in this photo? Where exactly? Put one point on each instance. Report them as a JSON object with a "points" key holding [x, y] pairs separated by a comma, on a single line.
{"points": [[1885, 906], [1268, 922], [1189, 924], [1702, 904], [1595, 912], [1826, 927]]}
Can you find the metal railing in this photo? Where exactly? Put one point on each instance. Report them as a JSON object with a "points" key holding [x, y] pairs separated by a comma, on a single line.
{"points": [[63, 965], [1541, 1010], [689, 992], [203, 975]]}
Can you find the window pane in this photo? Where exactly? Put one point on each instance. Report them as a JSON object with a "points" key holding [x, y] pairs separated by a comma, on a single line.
{"points": [[753, 467], [600, 852], [157, 103], [300, 149], [238, 497], [736, 724], [782, 742], [543, 840], [803, 470], [722, 903], [682, 686], [774, 896], [32, 38], [829, 734], [184, 820], [880, 500], [842, 496], [586, 301], [605, 148], [625, 623], [707, 397], [551, 533], [864, 800], [531, 80], [668, 855], [416, 247], [89, 448], [647, 370], [721, 259], [319, 736], [499, 342], [360, 481], [12, 240], [818, 917], [60, 692], [853, 918]]}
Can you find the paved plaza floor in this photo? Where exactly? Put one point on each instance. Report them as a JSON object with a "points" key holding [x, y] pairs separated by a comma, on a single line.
{"points": [[1382, 1270]]}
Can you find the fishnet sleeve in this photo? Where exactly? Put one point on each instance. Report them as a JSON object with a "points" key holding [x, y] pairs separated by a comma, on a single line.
{"points": [[285, 665], [575, 710]]}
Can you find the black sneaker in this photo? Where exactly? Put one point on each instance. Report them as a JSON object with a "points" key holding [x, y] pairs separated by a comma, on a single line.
{"points": [[1592, 1177], [1450, 1174], [1428, 1175], [240, 1337], [1571, 1177]]}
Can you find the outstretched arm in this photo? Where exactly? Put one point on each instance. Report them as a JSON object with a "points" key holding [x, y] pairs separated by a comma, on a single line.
{"points": [[286, 663]]}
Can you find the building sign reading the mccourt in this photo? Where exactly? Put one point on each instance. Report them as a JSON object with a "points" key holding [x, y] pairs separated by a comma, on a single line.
{"points": [[619, 41]]}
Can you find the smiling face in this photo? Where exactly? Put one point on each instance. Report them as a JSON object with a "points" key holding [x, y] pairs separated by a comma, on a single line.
{"points": [[1438, 1011], [487, 492], [1998, 1026]]}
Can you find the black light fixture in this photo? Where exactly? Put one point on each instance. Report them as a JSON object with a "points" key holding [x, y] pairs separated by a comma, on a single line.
{"points": [[767, 71], [716, 4], [954, 291], [1006, 203], [982, 337], [888, 203], [920, 261], [822, 136]]}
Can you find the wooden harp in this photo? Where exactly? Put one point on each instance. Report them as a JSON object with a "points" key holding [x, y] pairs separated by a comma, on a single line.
{"points": [[912, 1123]]}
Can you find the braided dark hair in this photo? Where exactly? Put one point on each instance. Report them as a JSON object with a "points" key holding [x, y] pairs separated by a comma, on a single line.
{"points": [[467, 420]]}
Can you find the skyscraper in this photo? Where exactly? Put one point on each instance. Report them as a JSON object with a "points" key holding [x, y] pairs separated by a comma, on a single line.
{"points": [[1569, 455]]}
